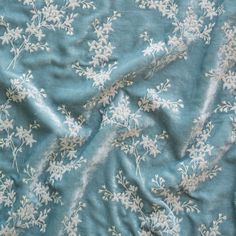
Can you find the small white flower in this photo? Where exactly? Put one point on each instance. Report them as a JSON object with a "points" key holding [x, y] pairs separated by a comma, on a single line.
{"points": [[6, 124]]}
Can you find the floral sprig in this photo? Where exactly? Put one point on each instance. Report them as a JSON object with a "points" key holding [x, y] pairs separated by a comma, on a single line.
{"points": [[225, 73], [45, 16], [12, 136], [121, 115], [198, 169], [226, 106], [167, 8], [71, 223], [57, 168], [26, 216], [7, 194], [191, 28], [200, 149], [128, 198], [20, 89], [29, 214], [63, 154], [226, 56], [214, 229], [139, 147], [173, 199], [100, 70], [73, 125], [41, 191], [16, 138], [129, 138], [192, 177], [105, 96], [158, 220], [153, 101], [153, 48], [210, 9]]}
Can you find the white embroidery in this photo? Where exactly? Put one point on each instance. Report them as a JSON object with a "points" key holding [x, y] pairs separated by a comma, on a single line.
{"points": [[12, 136], [71, 223], [153, 100], [100, 69], [46, 16], [214, 229]]}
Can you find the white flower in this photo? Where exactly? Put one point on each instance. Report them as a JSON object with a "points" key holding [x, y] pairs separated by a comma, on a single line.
{"points": [[154, 48], [11, 35], [51, 13], [25, 135], [150, 145], [121, 111], [35, 30], [6, 124]]}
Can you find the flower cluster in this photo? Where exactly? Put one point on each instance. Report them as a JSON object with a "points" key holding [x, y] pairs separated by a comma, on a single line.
{"points": [[198, 169], [167, 8], [45, 16], [62, 154], [214, 229], [42, 191], [71, 223], [159, 219], [16, 137], [12, 136], [225, 73], [129, 138], [21, 88], [27, 215], [7, 194], [226, 55], [153, 101], [106, 95], [191, 28], [100, 69], [113, 231]]}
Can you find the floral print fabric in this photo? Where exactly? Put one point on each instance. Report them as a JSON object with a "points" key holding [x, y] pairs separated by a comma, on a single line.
{"points": [[117, 117]]}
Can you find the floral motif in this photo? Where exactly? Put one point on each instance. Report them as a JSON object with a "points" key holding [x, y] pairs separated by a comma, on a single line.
{"points": [[71, 223], [129, 139], [193, 172], [214, 229], [7, 194], [193, 27], [224, 72], [198, 169], [20, 89], [41, 191], [173, 200], [153, 101], [167, 8], [45, 16], [105, 96], [62, 154], [29, 214], [15, 137], [29, 194], [100, 69], [159, 221], [26, 216], [226, 55]]}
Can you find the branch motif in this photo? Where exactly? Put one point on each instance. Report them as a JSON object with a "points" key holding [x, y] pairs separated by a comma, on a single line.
{"points": [[100, 70], [47, 16]]}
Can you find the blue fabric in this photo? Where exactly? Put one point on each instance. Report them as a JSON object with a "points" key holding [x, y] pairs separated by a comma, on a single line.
{"points": [[117, 117]]}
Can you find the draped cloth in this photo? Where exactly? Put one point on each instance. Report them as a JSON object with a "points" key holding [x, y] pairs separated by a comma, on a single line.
{"points": [[117, 118]]}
